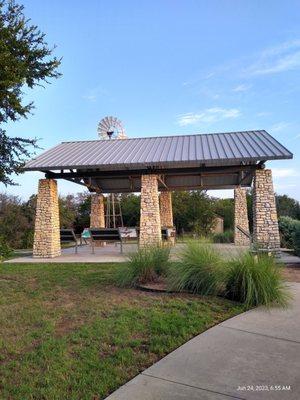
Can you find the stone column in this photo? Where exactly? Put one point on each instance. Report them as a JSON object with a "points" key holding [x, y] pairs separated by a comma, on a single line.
{"points": [[97, 218], [240, 217], [166, 212], [150, 225], [46, 232], [265, 222]]}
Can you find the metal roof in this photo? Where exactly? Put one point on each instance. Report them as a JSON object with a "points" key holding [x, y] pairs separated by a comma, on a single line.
{"points": [[217, 149]]}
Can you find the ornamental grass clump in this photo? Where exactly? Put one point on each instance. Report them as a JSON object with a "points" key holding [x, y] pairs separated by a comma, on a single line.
{"points": [[146, 265], [200, 270], [256, 280]]}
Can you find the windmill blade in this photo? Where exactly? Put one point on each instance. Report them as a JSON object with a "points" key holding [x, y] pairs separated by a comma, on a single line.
{"points": [[111, 124]]}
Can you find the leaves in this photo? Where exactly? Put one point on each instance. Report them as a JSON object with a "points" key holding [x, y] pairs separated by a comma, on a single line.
{"points": [[25, 61]]}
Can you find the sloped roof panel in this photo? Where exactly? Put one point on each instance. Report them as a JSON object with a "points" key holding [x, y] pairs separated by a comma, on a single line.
{"points": [[209, 149]]}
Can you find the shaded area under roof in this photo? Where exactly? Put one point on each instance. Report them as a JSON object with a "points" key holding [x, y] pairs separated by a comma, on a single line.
{"points": [[232, 148]]}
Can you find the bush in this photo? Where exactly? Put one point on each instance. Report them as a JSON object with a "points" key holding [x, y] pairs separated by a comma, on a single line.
{"points": [[256, 281], [5, 250], [27, 241], [225, 237], [287, 228], [199, 270], [296, 239], [146, 265]]}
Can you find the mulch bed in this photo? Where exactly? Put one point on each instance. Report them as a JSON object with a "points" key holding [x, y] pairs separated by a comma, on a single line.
{"points": [[153, 287]]}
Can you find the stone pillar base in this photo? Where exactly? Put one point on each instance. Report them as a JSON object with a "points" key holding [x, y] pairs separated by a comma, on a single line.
{"points": [[46, 233], [97, 217], [166, 212], [241, 218], [171, 241], [265, 222], [150, 226]]}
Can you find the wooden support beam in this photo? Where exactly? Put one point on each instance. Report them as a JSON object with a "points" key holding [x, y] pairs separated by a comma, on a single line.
{"points": [[161, 180]]}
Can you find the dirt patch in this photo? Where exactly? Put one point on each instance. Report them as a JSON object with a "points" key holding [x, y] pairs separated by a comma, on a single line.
{"points": [[66, 325], [154, 287], [292, 273], [8, 279]]}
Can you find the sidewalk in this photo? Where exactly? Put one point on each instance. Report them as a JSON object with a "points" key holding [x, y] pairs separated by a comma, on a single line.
{"points": [[255, 355]]}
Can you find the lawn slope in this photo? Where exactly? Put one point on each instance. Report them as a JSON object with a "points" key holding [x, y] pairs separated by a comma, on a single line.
{"points": [[66, 332]]}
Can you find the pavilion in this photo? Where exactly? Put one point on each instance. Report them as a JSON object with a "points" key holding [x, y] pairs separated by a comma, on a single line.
{"points": [[154, 165]]}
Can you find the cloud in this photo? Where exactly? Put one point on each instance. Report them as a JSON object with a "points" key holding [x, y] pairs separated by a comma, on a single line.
{"points": [[208, 116], [263, 114], [242, 88], [280, 58], [284, 172], [90, 97], [280, 126], [93, 94], [283, 57]]}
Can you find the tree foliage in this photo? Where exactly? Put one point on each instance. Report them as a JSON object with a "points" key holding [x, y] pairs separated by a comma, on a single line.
{"points": [[25, 61], [193, 211], [225, 209], [288, 207]]}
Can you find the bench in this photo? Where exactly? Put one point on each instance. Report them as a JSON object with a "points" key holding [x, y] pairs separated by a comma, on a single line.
{"points": [[68, 236], [102, 235]]}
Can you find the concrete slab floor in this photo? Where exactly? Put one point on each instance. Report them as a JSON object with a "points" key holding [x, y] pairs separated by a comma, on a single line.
{"points": [[111, 253], [255, 355]]}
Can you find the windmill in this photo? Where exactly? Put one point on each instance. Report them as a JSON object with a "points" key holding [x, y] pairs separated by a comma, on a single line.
{"points": [[110, 128]]}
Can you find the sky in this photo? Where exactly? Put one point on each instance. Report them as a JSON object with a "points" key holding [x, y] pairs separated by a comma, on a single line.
{"points": [[167, 67]]}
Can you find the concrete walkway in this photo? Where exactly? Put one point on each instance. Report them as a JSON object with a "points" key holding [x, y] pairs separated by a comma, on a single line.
{"points": [[255, 355]]}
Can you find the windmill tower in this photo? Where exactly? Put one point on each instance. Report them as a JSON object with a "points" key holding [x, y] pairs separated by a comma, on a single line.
{"points": [[110, 128]]}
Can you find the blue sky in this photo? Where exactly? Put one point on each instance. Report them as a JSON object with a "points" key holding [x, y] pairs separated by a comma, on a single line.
{"points": [[169, 67]]}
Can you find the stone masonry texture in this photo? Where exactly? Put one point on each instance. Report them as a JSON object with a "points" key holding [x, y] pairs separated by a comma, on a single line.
{"points": [[150, 224], [265, 221], [166, 212], [46, 233], [240, 217], [97, 218]]}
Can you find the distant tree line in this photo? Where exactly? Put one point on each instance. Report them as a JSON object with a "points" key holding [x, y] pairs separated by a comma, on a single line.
{"points": [[194, 211]]}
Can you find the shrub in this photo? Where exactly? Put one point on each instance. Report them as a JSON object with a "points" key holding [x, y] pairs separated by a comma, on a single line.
{"points": [[225, 237], [256, 281], [5, 250], [146, 265], [296, 239], [199, 270], [287, 228], [27, 241]]}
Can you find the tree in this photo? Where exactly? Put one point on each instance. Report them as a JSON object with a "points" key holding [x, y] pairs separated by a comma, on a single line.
{"points": [[287, 207], [193, 211], [130, 204], [180, 203], [25, 61], [67, 211], [83, 212], [225, 209], [14, 226]]}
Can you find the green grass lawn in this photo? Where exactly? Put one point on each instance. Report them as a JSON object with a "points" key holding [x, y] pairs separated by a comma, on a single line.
{"points": [[66, 332]]}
